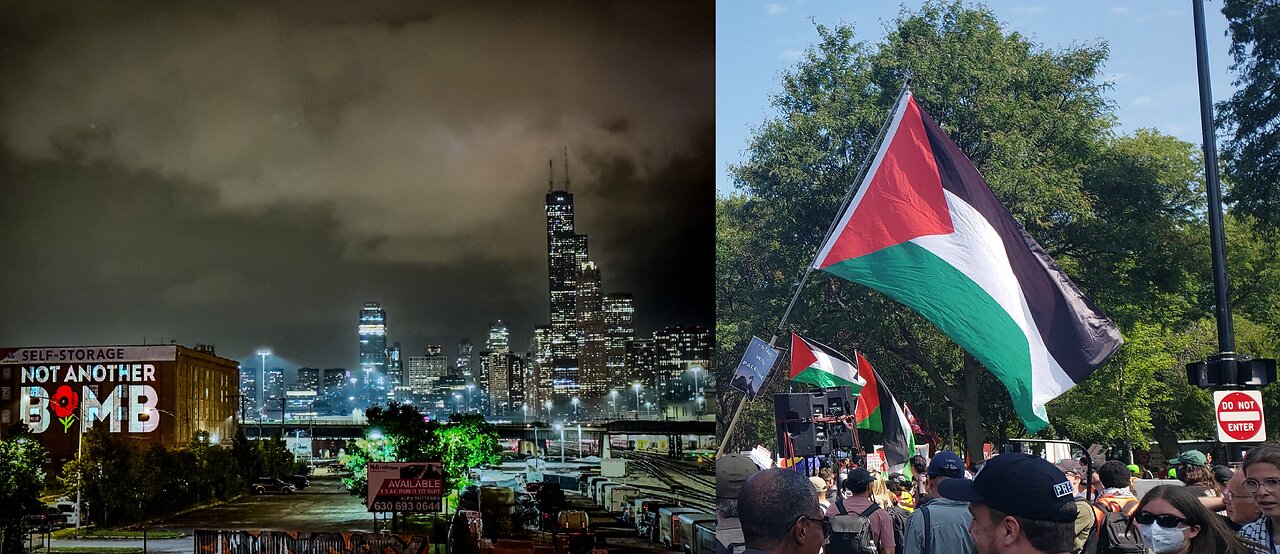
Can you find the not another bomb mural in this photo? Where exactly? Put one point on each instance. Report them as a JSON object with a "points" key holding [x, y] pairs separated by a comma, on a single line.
{"points": [[153, 393], [110, 386]]}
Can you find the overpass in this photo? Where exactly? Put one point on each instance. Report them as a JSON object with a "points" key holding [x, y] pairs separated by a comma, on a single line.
{"points": [[340, 429]]}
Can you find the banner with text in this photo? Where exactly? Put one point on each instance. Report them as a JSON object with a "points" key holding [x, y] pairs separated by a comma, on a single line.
{"points": [[405, 486]]}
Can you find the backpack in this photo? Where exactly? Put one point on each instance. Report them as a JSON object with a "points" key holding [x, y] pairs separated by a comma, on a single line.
{"points": [[899, 515], [1114, 531], [851, 533]]}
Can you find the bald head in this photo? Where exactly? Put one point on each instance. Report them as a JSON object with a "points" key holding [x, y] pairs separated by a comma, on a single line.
{"points": [[770, 501]]}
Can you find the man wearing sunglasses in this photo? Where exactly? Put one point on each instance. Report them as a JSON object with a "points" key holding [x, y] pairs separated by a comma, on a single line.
{"points": [[1020, 504], [780, 514], [1262, 482]]}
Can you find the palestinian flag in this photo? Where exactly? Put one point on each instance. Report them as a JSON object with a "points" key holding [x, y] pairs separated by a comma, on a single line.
{"points": [[925, 229], [818, 364], [879, 411]]}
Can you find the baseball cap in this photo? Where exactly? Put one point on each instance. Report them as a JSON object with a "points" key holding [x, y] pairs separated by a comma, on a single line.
{"points": [[1221, 474], [1018, 485], [1190, 457], [946, 464], [858, 476], [731, 472], [819, 484]]}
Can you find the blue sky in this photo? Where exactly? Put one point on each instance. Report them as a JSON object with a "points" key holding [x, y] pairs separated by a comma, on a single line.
{"points": [[1152, 62]]}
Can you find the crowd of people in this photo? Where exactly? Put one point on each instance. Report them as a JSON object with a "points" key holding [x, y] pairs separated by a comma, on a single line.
{"points": [[1012, 503]]}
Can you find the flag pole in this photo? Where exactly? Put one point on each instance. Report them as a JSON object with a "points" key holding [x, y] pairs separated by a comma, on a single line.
{"points": [[808, 270]]}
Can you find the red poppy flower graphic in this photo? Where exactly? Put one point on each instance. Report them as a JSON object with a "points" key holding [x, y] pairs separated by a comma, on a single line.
{"points": [[65, 401]]}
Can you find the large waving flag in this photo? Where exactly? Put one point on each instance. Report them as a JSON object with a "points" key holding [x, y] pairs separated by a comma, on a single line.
{"points": [[925, 229], [878, 410], [818, 364]]}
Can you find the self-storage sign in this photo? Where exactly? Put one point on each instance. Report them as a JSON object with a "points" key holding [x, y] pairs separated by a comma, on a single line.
{"points": [[1239, 416]]}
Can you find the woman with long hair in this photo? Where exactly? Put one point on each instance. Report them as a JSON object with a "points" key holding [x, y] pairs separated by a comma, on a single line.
{"points": [[1172, 520]]}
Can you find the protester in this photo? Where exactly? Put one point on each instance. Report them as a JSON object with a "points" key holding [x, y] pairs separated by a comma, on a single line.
{"points": [[1199, 480], [820, 485], [1114, 478], [779, 512], [829, 475], [1020, 504], [900, 486], [731, 472], [1262, 482], [880, 493], [1239, 505], [1172, 520], [1085, 519], [859, 502], [940, 525], [919, 490]]}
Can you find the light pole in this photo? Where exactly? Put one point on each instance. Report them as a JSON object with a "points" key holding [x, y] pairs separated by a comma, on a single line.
{"points": [[613, 397], [575, 408], [579, 440], [560, 428], [469, 387], [262, 383], [548, 404], [457, 398], [648, 409], [636, 387]]}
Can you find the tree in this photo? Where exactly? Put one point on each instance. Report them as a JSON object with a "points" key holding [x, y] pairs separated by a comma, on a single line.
{"points": [[1251, 117], [467, 441], [102, 473], [21, 479], [1031, 120]]}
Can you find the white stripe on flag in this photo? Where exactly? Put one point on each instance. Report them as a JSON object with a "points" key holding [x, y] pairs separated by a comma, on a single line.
{"points": [[989, 267]]}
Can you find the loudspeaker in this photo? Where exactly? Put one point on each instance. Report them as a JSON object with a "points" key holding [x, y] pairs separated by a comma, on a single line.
{"points": [[796, 434], [839, 403]]}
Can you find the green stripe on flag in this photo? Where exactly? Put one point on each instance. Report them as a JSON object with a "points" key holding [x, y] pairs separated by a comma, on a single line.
{"points": [[873, 421], [949, 299], [818, 377]]}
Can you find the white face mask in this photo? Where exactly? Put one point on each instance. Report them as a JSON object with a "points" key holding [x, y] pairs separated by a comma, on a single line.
{"points": [[1162, 539]]}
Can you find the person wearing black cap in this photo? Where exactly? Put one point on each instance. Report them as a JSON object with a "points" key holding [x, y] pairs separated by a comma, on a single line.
{"points": [[860, 502], [940, 525], [780, 514], [731, 472], [1020, 504]]}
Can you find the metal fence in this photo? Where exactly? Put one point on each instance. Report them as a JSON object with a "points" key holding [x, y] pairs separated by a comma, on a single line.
{"points": [[228, 541]]}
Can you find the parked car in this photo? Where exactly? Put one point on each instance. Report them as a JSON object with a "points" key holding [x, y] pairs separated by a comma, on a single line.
{"points": [[299, 482], [46, 519], [263, 485]]}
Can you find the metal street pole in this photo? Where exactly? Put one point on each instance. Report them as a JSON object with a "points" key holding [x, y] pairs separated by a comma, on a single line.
{"points": [[1217, 241]]}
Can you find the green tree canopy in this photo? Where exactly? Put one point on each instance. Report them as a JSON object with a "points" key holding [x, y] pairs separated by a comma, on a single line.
{"points": [[1251, 117]]}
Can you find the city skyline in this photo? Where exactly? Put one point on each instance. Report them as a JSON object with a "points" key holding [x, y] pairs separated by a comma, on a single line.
{"points": [[393, 153]]}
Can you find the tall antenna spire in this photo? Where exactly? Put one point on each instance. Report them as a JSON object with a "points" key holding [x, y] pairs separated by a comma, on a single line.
{"points": [[550, 177], [566, 169]]}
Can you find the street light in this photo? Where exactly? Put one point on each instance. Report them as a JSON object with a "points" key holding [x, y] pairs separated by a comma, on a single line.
{"points": [[548, 403], [695, 369], [469, 387], [560, 428], [457, 398], [613, 397], [648, 409], [636, 386], [575, 408]]}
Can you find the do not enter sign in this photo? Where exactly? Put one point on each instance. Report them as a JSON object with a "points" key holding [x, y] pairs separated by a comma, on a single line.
{"points": [[1239, 416]]}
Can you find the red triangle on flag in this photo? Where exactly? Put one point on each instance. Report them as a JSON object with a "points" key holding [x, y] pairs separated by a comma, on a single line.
{"points": [[802, 356], [903, 200]]}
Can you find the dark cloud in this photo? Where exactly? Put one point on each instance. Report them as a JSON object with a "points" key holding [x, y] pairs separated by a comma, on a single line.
{"points": [[248, 174]]}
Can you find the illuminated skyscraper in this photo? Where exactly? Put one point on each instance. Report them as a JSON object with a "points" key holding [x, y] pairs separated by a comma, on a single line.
{"points": [[592, 370], [679, 349], [466, 358], [499, 338], [619, 327], [373, 346], [566, 252], [395, 373]]}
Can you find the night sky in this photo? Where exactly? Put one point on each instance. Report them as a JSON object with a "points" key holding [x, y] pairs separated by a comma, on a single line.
{"points": [[247, 175]]}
